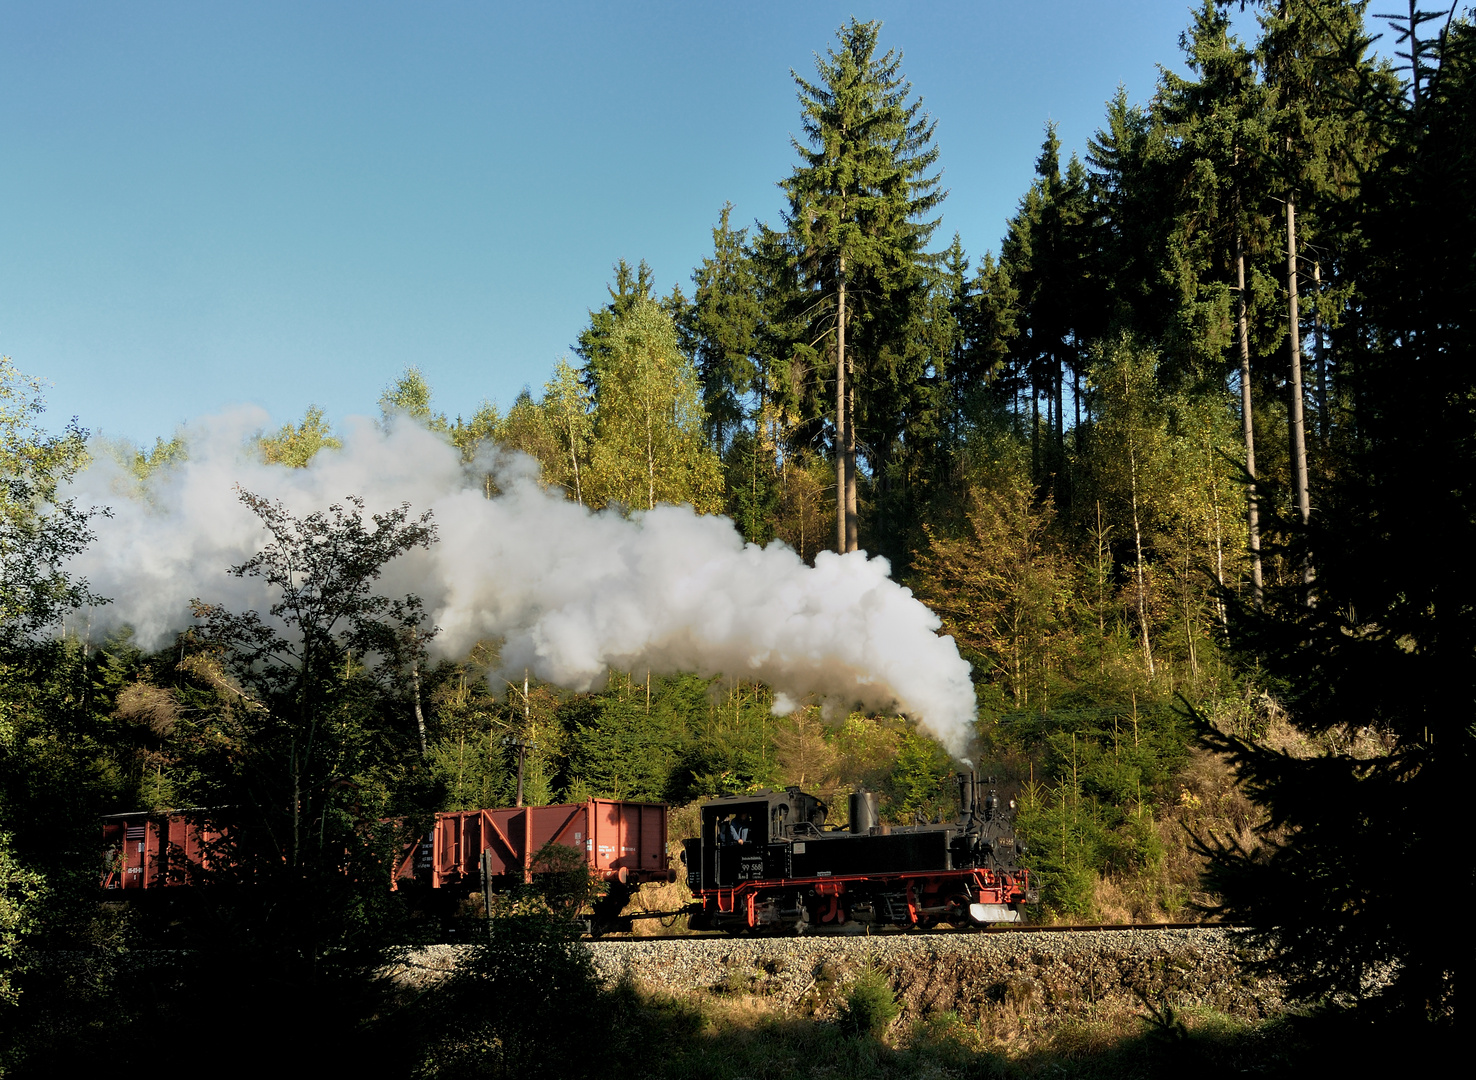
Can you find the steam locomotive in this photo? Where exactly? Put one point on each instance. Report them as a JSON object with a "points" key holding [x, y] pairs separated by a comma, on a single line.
{"points": [[768, 862]]}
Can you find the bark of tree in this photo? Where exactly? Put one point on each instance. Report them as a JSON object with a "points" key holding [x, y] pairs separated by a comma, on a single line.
{"points": [[1138, 553], [1323, 423], [1252, 510], [841, 441], [1060, 414], [1219, 536], [846, 517], [1297, 423], [574, 460], [853, 519], [419, 713], [650, 460]]}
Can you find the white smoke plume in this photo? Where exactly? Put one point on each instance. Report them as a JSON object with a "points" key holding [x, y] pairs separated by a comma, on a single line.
{"points": [[571, 593]]}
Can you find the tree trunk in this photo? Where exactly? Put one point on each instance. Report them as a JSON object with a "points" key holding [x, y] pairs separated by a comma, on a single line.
{"points": [[1252, 510], [1324, 424], [840, 412], [650, 463], [574, 460], [419, 713], [1138, 551], [1060, 415], [853, 540], [1034, 433], [1209, 457], [1294, 350]]}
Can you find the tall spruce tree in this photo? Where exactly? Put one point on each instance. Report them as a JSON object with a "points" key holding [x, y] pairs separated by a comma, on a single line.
{"points": [[859, 202], [1219, 165], [1047, 250], [1314, 55], [723, 326]]}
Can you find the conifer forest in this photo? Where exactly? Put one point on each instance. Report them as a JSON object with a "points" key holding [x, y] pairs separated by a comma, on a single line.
{"points": [[1183, 466]]}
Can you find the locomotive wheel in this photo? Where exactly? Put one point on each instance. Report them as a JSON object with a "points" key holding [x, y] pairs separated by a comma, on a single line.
{"points": [[802, 924]]}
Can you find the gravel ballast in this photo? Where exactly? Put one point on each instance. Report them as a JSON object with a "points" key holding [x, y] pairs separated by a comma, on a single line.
{"points": [[963, 973]]}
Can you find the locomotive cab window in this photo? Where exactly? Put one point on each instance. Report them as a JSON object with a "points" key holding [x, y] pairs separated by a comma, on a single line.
{"points": [[740, 825], [735, 829]]}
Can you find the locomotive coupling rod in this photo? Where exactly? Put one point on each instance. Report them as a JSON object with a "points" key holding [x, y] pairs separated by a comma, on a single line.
{"points": [[690, 909]]}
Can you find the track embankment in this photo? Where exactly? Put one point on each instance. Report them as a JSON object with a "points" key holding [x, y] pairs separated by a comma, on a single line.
{"points": [[962, 973], [1063, 974]]}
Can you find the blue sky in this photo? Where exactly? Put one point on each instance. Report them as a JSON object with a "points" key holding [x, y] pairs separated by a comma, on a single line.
{"points": [[205, 204]]}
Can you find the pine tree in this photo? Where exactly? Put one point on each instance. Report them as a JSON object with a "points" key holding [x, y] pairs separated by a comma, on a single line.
{"points": [[1314, 57], [1219, 163], [632, 285], [723, 328], [858, 206], [1048, 252]]}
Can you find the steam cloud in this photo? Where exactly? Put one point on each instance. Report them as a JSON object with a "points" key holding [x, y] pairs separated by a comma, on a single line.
{"points": [[570, 592]]}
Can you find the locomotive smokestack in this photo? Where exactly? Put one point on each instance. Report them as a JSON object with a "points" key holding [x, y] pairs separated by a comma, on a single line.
{"points": [[966, 795], [863, 811]]}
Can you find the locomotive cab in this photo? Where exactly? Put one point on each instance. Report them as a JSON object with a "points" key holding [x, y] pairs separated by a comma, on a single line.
{"points": [[749, 837]]}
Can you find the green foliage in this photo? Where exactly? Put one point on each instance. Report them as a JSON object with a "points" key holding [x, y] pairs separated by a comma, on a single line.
{"points": [[650, 445], [410, 395], [564, 879], [629, 746], [869, 1006], [38, 532], [723, 328], [1087, 808], [305, 732], [753, 484], [916, 784], [508, 995], [144, 464], [295, 445], [481, 431], [22, 892], [1386, 643]]}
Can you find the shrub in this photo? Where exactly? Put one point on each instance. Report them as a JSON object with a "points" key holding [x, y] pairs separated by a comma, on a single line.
{"points": [[869, 1006]]}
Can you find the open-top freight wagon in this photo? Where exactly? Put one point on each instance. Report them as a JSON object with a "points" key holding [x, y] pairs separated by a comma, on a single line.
{"points": [[623, 843], [152, 851]]}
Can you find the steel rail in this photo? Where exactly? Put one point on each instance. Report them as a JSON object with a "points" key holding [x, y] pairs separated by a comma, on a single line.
{"points": [[937, 931]]}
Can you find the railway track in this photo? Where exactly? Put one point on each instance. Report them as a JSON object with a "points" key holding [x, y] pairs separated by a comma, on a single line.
{"points": [[940, 931]]}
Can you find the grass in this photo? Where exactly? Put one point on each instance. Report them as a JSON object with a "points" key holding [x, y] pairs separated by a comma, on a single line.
{"points": [[751, 1038]]}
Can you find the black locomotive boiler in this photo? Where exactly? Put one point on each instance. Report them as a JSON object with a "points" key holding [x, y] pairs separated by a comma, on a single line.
{"points": [[769, 862]]}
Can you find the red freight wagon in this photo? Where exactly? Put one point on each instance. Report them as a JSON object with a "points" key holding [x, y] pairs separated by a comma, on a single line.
{"points": [[151, 851], [622, 841]]}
